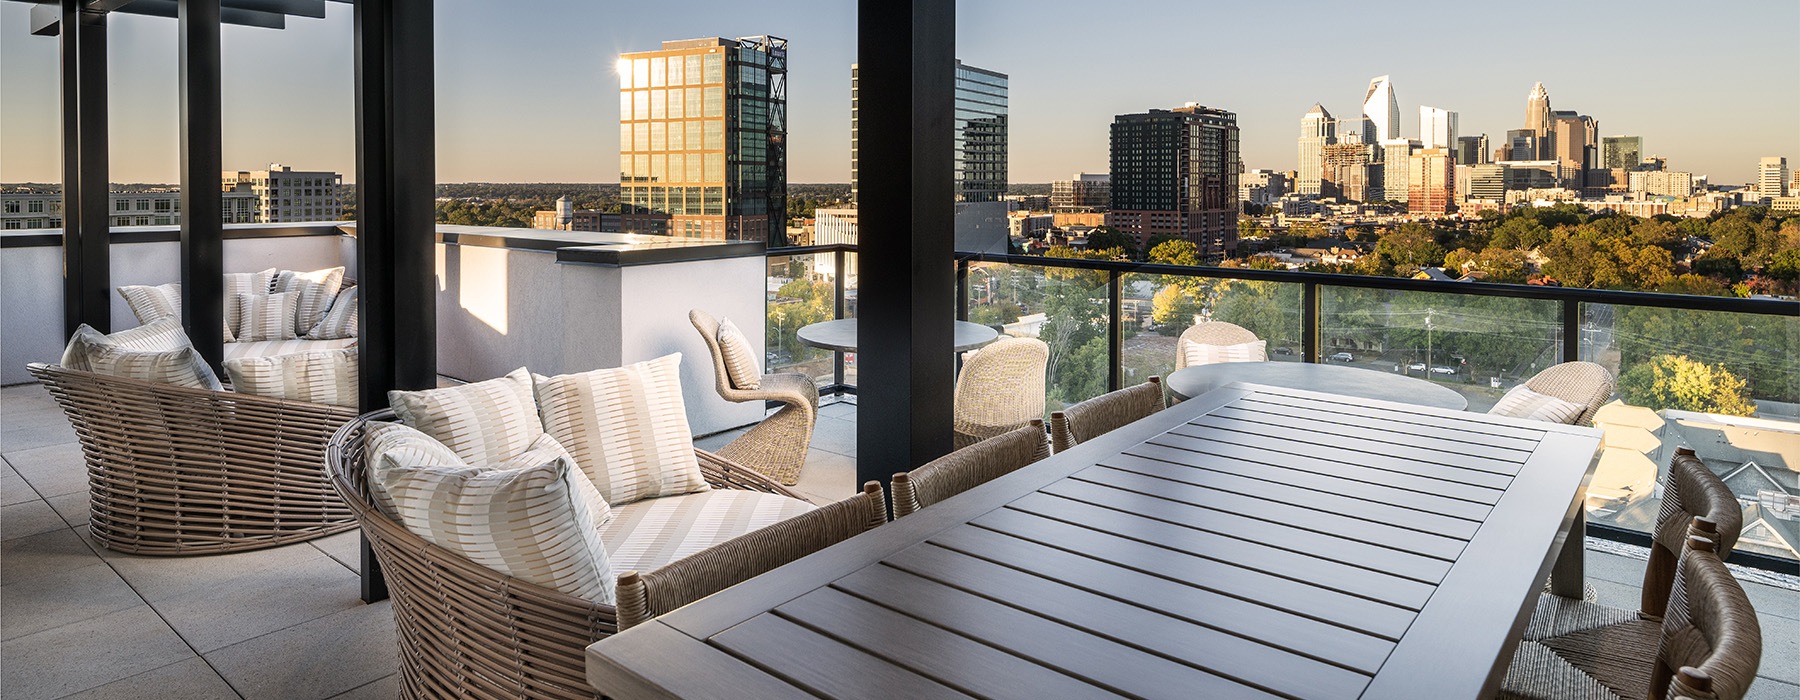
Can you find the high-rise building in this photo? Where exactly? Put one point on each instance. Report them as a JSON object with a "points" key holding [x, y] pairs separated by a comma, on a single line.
{"points": [[1772, 177], [1260, 187], [285, 194], [703, 139], [1488, 181], [1352, 172], [1175, 173], [1431, 179], [160, 207], [1575, 138], [1621, 152], [1380, 111], [1662, 183], [1437, 128], [981, 133], [1521, 144], [1317, 130], [1472, 150], [1537, 121], [1395, 168], [1085, 192]]}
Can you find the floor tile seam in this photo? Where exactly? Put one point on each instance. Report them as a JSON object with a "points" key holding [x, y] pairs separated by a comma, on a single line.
{"points": [[209, 667], [365, 685], [140, 601]]}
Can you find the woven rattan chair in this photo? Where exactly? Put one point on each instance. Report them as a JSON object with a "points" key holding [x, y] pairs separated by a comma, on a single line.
{"points": [[176, 471], [1105, 413], [1000, 388], [1572, 646], [968, 468], [1211, 333], [777, 446], [647, 594], [1584, 383], [467, 631], [1711, 642]]}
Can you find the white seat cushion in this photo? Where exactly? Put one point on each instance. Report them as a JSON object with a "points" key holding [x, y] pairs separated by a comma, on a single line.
{"points": [[653, 532], [1203, 354], [270, 348], [739, 357], [484, 422], [626, 427], [325, 376], [1522, 402]]}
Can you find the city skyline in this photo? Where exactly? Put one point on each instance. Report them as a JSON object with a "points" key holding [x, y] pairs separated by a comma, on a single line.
{"points": [[542, 106]]}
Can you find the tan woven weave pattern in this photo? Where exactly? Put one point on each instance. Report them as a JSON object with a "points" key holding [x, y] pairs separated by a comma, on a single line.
{"points": [[968, 468], [626, 427], [1000, 389], [1104, 413], [1710, 627], [1584, 383], [1212, 333], [776, 446]]}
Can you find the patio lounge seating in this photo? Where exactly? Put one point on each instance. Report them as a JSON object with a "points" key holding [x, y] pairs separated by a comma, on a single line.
{"points": [[968, 468], [1000, 388], [1217, 333], [777, 446], [175, 470], [1583, 383], [1105, 413]]}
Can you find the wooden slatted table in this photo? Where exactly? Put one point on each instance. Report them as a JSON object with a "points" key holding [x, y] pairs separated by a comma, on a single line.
{"points": [[1254, 542]]}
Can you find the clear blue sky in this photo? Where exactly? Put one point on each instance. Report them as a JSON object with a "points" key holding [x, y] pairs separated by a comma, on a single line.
{"points": [[526, 90]]}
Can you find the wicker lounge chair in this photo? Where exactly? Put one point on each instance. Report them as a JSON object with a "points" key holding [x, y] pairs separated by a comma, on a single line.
{"points": [[1000, 388], [1584, 383], [1212, 333], [178, 471], [646, 594], [468, 631], [777, 446], [1573, 644], [1105, 413], [968, 468]]}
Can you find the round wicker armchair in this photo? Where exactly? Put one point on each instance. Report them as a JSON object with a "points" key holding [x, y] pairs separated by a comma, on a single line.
{"points": [[1583, 383], [177, 471], [1211, 333], [1000, 389], [470, 632], [777, 446]]}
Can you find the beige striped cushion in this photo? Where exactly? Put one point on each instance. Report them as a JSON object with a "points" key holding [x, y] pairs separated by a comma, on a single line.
{"points": [[626, 427], [326, 376], [1522, 402], [392, 446], [484, 422], [339, 321], [1204, 354], [651, 533], [159, 302], [165, 334], [180, 367], [740, 358], [244, 283], [316, 289], [524, 518], [266, 316], [269, 348]]}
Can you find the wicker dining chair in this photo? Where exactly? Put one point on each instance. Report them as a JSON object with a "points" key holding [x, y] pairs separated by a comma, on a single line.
{"points": [[1572, 644], [1104, 413], [178, 471], [968, 468], [776, 446], [1583, 383], [1711, 641], [1000, 388], [1211, 333], [467, 631], [643, 595]]}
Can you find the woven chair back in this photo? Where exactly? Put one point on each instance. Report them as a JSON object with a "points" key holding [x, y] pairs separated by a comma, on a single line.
{"points": [[969, 467], [1211, 333], [1691, 492], [1000, 388], [1584, 383], [1104, 413], [1711, 642]]}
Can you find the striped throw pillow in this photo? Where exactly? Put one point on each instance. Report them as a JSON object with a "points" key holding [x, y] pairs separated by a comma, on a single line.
{"points": [[244, 283], [740, 358], [339, 321], [1203, 354], [180, 367], [266, 316], [1522, 402], [626, 427], [484, 422], [165, 334], [394, 446], [316, 289], [326, 376], [159, 302], [523, 517]]}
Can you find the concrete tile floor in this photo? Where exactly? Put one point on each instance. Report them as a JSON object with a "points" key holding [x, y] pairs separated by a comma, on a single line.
{"points": [[79, 621]]}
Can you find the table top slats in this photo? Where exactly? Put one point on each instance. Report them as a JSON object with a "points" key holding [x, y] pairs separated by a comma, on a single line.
{"points": [[951, 659], [1154, 594], [1097, 660], [1410, 490], [707, 673], [1462, 421], [1134, 470], [1394, 563], [1368, 443], [1392, 433], [821, 664], [1462, 434], [1283, 447], [1241, 657], [1234, 579]]}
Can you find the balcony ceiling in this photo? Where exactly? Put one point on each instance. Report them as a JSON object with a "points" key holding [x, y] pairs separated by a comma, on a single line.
{"points": [[46, 17]]}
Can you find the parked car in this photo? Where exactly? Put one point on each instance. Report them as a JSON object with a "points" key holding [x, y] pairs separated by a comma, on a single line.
{"points": [[1416, 367], [1440, 369], [1284, 350], [1343, 357]]}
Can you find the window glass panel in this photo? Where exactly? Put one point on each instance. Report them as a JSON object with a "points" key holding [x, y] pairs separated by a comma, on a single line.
{"points": [[640, 72], [641, 164], [715, 167], [693, 69], [694, 174], [715, 102], [675, 64], [693, 135], [675, 104], [656, 72], [641, 136], [659, 168], [625, 136], [715, 68], [693, 193], [715, 134], [656, 136], [677, 167], [676, 132], [715, 201], [640, 105], [657, 110]]}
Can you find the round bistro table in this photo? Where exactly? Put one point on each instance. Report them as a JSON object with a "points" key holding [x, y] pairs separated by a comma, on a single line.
{"points": [[1332, 379], [840, 335]]}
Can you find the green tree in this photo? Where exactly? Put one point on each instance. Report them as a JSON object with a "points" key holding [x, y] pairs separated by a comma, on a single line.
{"points": [[1173, 309], [1406, 249], [1105, 237], [1674, 381]]}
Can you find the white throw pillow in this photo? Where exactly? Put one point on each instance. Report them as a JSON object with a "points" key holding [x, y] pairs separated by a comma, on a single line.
{"points": [[324, 376], [244, 283], [740, 358], [316, 289], [180, 367], [626, 427], [524, 517], [392, 446], [1522, 402], [339, 321], [162, 301], [1203, 354], [162, 335], [266, 316], [484, 422]]}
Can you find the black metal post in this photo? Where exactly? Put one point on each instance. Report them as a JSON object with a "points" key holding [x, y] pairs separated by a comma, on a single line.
{"points": [[1115, 331], [962, 290], [907, 64], [87, 271], [396, 181], [1309, 321], [1571, 330], [202, 214], [840, 308]]}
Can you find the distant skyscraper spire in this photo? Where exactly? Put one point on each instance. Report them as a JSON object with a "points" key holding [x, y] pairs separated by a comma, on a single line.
{"points": [[1381, 111], [1317, 130], [1538, 120]]}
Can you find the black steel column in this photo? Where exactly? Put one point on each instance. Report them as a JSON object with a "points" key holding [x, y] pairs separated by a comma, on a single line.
{"points": [[87, 264], [906, 67], [1115, 331], [1310, 310], [1571, 330], [202, 215], [396, 231]]}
